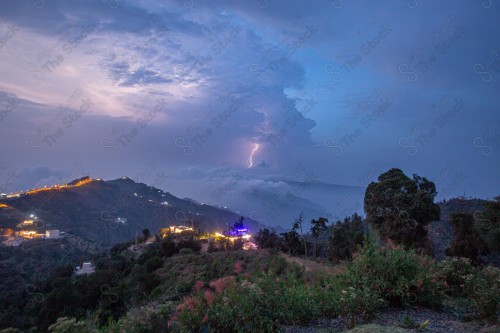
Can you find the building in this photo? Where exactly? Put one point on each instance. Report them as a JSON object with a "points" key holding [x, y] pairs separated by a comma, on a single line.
{"points": [[87, 268], [52, 234], [28, 234]]}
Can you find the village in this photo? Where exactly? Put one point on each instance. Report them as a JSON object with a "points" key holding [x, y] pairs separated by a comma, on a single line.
{"points": [[28, 231]]}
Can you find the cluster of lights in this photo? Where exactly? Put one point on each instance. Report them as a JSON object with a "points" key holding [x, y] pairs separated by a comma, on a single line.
{"points": [[54, 187]]}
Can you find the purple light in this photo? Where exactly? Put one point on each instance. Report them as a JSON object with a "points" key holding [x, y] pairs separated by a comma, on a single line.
{"points": [[242, 230]]}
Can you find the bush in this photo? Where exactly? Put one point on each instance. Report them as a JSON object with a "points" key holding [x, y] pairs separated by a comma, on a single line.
{"points": [[484, 289], [456, 272], [189, 244], [152, 264], [148, 318], [401, 277]]}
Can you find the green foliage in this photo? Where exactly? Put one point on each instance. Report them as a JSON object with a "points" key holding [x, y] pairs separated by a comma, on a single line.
{"points": [[484, 289], [145, 319], [345, 238], [399, 276], [487, 224], [241, 305], [400, 207], [456, 272], [152, 264], [291, 243], [189, 244], [466, 242], [317, 227], [267, 239]]}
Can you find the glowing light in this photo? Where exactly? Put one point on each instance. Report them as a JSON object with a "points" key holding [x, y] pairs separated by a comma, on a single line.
{"points": [[256, 147]]}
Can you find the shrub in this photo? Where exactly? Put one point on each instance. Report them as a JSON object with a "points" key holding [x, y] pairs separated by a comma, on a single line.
{"points": [[153, 264], [484, 289], [148, 318], [401, 277], [189, 244], [456, 272]]}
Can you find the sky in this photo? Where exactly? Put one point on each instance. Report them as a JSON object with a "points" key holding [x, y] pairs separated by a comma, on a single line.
{"points": [[241, 103]]}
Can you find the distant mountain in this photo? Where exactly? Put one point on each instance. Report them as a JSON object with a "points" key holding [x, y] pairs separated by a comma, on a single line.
{"points": [[277, 201], [109, 212]]}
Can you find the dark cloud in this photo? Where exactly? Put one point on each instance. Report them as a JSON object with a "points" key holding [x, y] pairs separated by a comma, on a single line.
{"points": [[348, 89]]}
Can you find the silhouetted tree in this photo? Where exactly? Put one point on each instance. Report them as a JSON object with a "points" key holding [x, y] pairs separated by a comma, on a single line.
{"points": [[400, 207], [345, 237], [267, 239], [317, 226], [488, 224], [146, 233], [297, 225], [291, 242], [466, 242]]}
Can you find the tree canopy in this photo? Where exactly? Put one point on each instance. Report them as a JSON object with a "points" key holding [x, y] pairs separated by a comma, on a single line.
{"points": [[400, 207]]}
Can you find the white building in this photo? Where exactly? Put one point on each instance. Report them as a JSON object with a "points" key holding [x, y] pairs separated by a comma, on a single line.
{"points": [[52, 234], [87, 268]]}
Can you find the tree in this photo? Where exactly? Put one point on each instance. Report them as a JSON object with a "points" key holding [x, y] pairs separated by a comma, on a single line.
{"points": [[238, 225], [466, 242], [488, 224], [291, 242], [317, 226], [267, 239], [345, 237], [146, 234], [297, 225], [400, 208]]}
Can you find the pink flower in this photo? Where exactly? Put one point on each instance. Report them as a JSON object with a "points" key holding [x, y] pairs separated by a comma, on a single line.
{"points": [[205, 319], [238, 267], [222, 283], [199, 285], [209, 296]]}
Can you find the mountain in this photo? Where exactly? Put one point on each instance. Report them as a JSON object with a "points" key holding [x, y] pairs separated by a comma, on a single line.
{"points": [[108, 212]]}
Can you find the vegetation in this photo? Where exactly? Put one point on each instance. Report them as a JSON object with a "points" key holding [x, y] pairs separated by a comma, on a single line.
{"points": [[180, 284], [345, 238], [467, 242], [400, 207]]}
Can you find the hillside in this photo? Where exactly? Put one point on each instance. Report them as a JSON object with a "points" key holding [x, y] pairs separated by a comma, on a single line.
{"points": [[109, 212]]}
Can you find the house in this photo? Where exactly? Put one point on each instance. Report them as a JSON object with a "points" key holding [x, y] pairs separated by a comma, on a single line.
{"points": [[87, 268], [52, 234]]}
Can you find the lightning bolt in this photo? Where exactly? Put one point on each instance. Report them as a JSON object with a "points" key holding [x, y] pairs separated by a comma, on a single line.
{"points": [[256, 147]]}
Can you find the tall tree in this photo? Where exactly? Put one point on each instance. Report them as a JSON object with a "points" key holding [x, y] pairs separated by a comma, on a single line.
{"points": [[400, 207], [291, 242], [345, 237], [297, 225], [317, 226]]}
